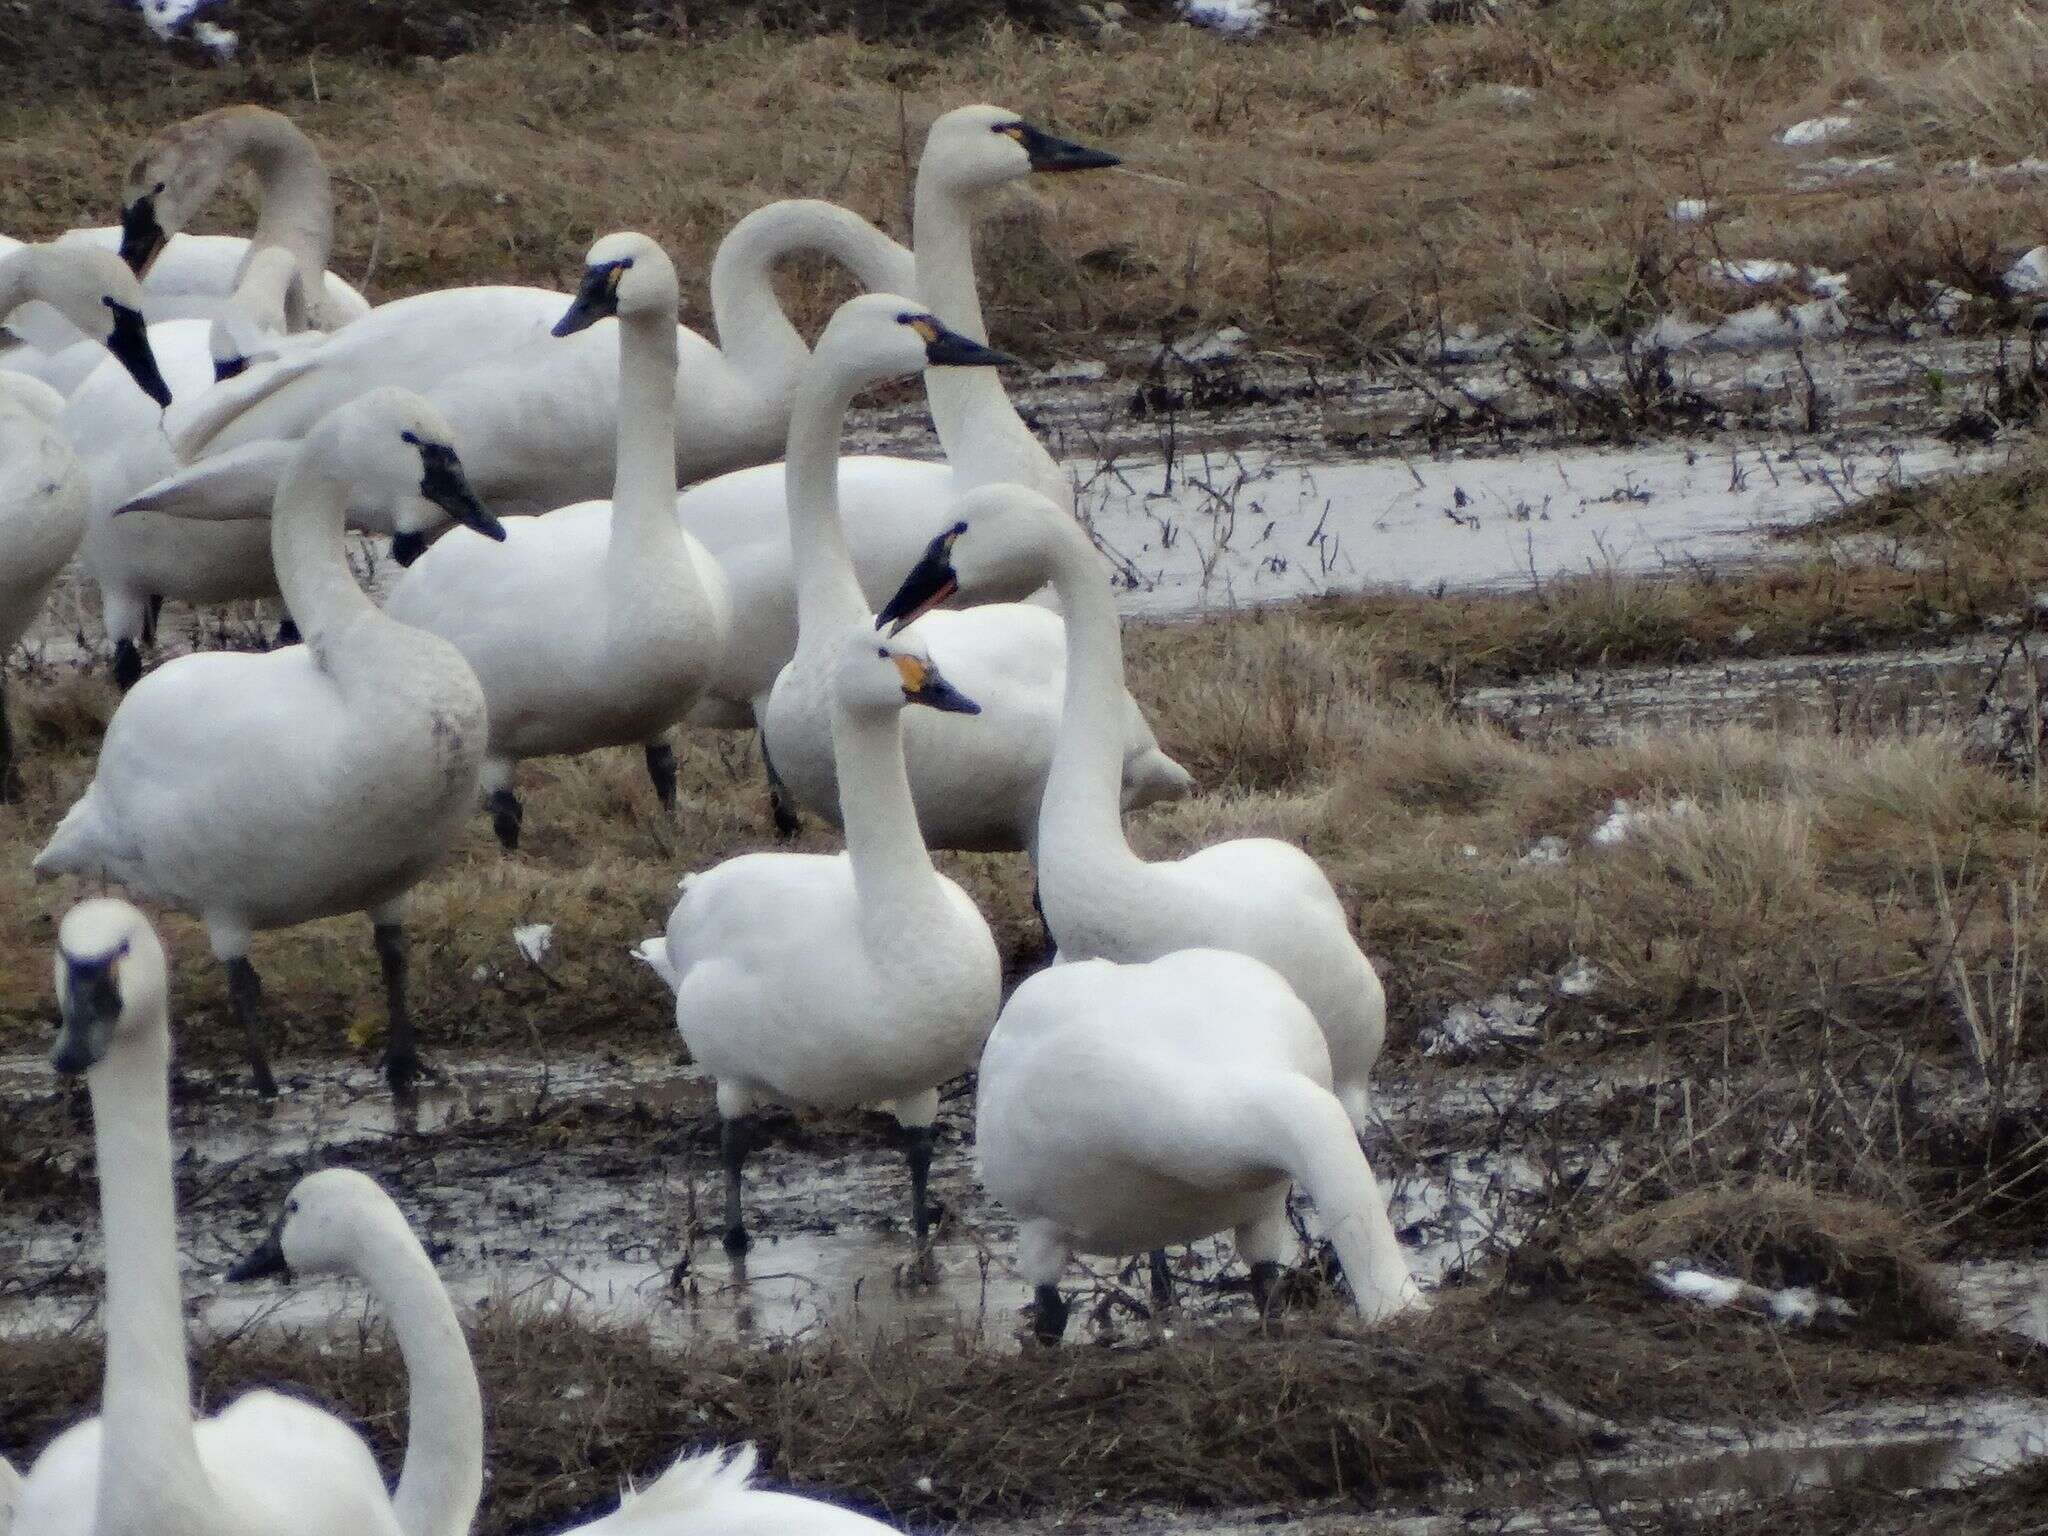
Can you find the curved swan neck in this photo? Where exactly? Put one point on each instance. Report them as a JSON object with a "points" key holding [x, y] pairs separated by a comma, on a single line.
{"points": [[754, 333], [986, 441], [828, 595], [26, 275], [443, 1477], [297, 207], [1081, 815], [149, 1457], [311, 556], [891, 866]]}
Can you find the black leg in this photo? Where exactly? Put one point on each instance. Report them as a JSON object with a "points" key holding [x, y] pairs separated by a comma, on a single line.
{"points": [[407, 547], [1051, 950], [1162, 1280], [786, 824], [1265, 1285], [917, 1148], [661, 768], [1049, 1314], [288, 631], [149, 622], [401, 1050], [735, 1141], [245, 995], [127, 664], [10, 775], [506, 816]]}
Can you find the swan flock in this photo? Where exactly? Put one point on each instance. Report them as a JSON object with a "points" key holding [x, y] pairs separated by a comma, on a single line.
{"points": [[608, 529]]}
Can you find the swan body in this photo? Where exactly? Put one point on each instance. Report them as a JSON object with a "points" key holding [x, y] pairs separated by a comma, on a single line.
{"points": [[338, 1222], [1258, 896], [262, 791], [10, 1495], [267, 1463], [598, 625], [1122, 1108], [536, 415]]}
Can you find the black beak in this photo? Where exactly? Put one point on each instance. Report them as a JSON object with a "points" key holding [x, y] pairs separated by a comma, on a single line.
{"points": [[597, 299], [941, 695], [930, 582], [1053, 155], [407, 547], [444, 484], [92, 1007], [142, 238], [129, 342], [949, 349], [225, 368], [266, 1259]]}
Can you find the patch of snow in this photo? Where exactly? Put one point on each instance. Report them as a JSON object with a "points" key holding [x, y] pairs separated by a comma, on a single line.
{"points": [[1696, 1285], [1817, 130], [1233, 18], [534, 940], [1624, 821], [1754, 271], [1467, 1029], [1081, 371], [2029, 274], [1546, 850], [218, 41], [1833, 168], [1793, 1307], [1690, 210], [1580, 978], [1466, 344], [1217, 347]]}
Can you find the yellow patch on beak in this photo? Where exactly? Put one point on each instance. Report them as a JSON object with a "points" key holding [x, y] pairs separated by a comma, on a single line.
{"points": [[913, 673], [1013, 131], [927, 332]]}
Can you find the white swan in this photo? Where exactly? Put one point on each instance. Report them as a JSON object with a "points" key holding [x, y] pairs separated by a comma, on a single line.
{"points": [[44, 490], [835, 981], [10, 1495], [537, 416], [264, 791], [598, 625], [1258, 896], [338, 1222], [137, 562], [1121, 1108], [264, 1464]]}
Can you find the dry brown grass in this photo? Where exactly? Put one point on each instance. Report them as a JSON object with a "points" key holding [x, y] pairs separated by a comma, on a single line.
{"points": [[1333, 191]]}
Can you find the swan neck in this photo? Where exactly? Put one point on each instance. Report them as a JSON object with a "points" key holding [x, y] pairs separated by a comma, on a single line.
{"points": [[441, 1482], [754, 332], [891, 866], [311, 556], [25, 275], [644, 480], [1082, 810], [297, 207], [828, 595], [149, 1455]]}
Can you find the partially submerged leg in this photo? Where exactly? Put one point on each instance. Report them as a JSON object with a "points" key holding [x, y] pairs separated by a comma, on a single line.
{"points": [[10, 775], [1041, 1254], [127, 664], [401, 1050], [507, 814], [915, 1117], [245, 996], [661, 770], [288, 632], [1162, 1280], [1266, 1243], [735, 1141]]}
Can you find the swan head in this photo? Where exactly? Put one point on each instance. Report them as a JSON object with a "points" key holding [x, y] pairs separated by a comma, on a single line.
{"points": [[179, 169], [973, 148], [320, 1229], [880, 336], [398, 453], [95, 292], [625, 274], [1005, 539], [881, 676], [110, 981]]}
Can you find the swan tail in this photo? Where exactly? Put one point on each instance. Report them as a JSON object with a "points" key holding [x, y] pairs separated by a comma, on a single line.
{"points": [[1320, 1148], [692, 1482], [654, 952], [83, 843]]}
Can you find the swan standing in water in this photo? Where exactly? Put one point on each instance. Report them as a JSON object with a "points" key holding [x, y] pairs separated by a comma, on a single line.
{"points": [[1125, 1107], [338, 1222], [1256, 895], [598, 625], [264, 1464], [265, 791]]}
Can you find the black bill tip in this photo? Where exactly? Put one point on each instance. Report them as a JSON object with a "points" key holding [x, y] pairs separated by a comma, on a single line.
{"points": [[129, 342], [1051, 155], [941, 695], [91, 1010], [407, 547], [225, 368], [931, 582], [443, 483], [596, 299], [265, 1260], [947, 348], [142, 238]]}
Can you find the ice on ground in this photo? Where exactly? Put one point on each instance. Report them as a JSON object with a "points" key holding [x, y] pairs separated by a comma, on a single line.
{"points": [[1080, 371], [1624, 820], [1579, 978], [2029, 274], [1794, 1306], [1546, 850], [1814, 131], [1219, 346], [1753, 271], [1467, 1029], [1833, 168], [1233, 18], [534, 940], [1690, 210]]}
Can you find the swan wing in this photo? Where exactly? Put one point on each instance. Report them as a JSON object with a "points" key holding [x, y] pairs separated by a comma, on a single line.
{"points": [[280, 1464]]}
